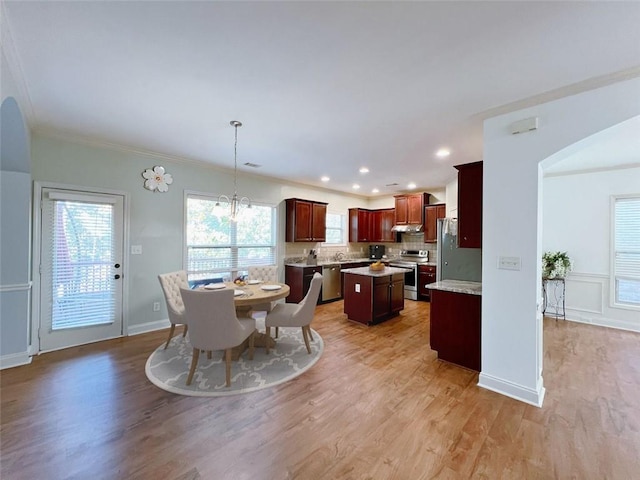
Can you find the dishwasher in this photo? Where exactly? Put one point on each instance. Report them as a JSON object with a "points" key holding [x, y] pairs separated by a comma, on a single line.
{"points": [[331, 282]]}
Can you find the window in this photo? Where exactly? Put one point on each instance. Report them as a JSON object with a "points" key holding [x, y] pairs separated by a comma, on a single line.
{"points": [[217, 248], [626, 250], [335, 229]]}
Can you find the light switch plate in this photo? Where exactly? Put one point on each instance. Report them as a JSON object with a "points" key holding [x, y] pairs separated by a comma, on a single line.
{"points": [[357, 288], [509, 263], [136, 249]]}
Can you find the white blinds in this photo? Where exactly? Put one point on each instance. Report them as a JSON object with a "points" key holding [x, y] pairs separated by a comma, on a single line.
{"points": [[627, 249], [81, 264]]}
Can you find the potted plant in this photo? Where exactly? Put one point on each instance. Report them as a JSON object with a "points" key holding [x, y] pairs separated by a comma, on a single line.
{"points": [[555, 264]]}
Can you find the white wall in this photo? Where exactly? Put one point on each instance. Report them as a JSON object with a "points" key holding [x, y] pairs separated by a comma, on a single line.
{"points": [[512, 226], [577, 219]]}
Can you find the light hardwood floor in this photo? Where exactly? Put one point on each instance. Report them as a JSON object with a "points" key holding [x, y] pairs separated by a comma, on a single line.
{"points": [[378, 405]]}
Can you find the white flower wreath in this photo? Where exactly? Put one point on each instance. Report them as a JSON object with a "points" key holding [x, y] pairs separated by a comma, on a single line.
{"points": [[156, 179]]}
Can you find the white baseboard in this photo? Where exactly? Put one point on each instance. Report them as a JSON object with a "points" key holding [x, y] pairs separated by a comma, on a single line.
{"points": [[148, 327], [513, 390], [14, 360], [581, 317]]}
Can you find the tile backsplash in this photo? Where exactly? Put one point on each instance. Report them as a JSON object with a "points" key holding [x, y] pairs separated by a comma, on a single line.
{"points": [[298, 251]]}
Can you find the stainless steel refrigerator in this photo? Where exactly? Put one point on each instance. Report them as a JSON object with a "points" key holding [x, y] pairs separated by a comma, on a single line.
{"points": [[456, 263]]}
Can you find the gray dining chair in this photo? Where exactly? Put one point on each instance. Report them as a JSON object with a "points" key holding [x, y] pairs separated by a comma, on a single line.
{"points": [[296, 315], [214, 325]]}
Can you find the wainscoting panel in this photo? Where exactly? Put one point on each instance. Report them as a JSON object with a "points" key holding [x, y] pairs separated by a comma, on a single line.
{"points": [[588, 301], [586, 294]]}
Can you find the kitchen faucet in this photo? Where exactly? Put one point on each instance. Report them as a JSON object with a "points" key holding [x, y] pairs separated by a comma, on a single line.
{"points": [[339, 256]]}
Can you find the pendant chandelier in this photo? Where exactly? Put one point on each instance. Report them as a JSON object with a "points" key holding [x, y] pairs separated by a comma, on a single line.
{"points": [[235, 203]]}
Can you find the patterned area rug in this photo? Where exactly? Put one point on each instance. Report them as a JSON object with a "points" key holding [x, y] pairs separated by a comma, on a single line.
{"points": [[168, 369]]}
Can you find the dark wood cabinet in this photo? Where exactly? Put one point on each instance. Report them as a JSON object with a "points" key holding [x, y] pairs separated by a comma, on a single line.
{"points": [[426, 275], [431, 215], [360, 225], [306, 220], [470, 205], [455, 331], [371, 225], [371, 300], [299, 281], [386, 222], [409, 208]]}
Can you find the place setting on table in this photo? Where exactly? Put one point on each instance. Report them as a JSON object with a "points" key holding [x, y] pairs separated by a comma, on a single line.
{"points": [[251, 292]]}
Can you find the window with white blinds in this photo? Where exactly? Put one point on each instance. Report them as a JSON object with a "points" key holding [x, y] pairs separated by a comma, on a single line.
{"points": [[335, 229], [217, 247], [626, 263], [81, 264]]}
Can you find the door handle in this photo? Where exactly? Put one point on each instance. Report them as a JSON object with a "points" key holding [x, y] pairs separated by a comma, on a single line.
{"points": [[116, 276]]}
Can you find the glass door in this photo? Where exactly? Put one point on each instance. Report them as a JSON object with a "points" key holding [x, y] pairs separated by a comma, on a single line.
{"points": [[81, 269]]}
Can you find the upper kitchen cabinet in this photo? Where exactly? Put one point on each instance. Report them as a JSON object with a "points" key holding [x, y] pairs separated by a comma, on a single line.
{"points": [[470, 205], [381, 224], [371, 225], [431, 215], [360, 225], [409, 208], [306, 220]]}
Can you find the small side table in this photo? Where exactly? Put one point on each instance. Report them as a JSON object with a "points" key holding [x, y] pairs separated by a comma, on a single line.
{"points": [[553, 290]]}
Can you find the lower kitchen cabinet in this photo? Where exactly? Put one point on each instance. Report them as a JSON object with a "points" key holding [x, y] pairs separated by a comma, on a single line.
{"points": [[299, 281], [371, 300], [426, 275], [456, 327]]}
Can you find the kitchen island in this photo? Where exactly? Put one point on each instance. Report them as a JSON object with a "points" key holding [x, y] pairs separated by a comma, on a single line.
{"points": [[372, 296], [455, 322]]}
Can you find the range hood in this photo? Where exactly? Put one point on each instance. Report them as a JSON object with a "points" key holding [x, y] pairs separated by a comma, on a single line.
{"points": [[407, 228]]}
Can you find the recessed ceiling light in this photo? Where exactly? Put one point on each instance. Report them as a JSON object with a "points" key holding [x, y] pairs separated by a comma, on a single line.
{"points": [[325, 179], [356, 186], [375, 190], [443, 152], [411, 186], [364, 170]]}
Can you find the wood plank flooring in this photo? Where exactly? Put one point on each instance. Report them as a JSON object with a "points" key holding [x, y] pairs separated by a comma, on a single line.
{"points": [[378, 405]]}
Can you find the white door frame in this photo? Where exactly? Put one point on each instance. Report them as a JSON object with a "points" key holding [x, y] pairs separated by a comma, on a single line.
{"points": [[34, 347]]}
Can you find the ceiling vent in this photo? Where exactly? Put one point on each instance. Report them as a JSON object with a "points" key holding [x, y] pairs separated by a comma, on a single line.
{"points": [[252, 165]]}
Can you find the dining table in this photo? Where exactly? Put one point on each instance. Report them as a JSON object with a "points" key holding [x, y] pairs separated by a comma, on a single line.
{"points": [[246, 297]]}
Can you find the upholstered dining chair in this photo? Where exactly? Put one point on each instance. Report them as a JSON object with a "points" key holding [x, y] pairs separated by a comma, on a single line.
{"points": [[296, 315], [171, 284], [214, 325], [268, 274]]}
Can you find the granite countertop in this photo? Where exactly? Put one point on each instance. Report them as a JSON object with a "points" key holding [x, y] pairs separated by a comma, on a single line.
{"points": [[457, 286], [376, 273]]}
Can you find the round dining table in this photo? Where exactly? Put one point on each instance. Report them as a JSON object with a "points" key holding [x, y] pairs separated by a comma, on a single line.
{"points": [[253, 294]]}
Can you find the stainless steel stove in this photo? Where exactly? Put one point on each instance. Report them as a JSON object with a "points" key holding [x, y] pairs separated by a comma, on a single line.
{"points": [[411, 259]]}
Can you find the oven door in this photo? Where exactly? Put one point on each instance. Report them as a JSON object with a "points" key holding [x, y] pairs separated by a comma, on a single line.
{"points": [[410, 278]]}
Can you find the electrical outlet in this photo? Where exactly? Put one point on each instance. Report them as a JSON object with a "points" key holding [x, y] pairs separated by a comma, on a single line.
{"points": [[357, 288], [136, 249], [156, 306]]}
